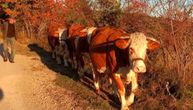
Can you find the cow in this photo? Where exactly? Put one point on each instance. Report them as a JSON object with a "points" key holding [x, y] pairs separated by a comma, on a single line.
{"points": [[62, 50], [53, 40], [78, 43], [121, 56], [68, 41]]}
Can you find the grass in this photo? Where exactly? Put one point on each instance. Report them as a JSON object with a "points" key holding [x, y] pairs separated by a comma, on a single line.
{"points": [[88, 96]]}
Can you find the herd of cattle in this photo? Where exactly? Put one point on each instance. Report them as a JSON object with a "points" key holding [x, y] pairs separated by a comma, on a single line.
{"points": [[112, 51]]}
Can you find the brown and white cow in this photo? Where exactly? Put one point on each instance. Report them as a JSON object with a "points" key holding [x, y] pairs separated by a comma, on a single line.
{"points": [[120, 55], [78, 43], [53, 40], [62, 49], [82, 42], [68, 41]]}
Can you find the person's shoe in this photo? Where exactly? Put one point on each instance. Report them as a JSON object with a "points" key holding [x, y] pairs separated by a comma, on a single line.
{"points": [[5, 59], [12, 61]]}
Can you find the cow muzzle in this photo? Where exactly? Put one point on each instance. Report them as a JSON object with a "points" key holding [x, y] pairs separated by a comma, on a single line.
{"points": [[139, 65]]}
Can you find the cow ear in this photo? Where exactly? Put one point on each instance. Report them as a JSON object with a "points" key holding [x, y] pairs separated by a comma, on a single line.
{"points": [[122, 43], [152, 44]]}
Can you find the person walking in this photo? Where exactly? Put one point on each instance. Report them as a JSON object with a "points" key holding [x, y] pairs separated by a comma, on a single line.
{"points": [[9, 35]]}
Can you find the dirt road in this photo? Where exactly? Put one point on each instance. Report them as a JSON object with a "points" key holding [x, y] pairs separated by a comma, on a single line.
{"points": [[34, 82], [26, 88]]}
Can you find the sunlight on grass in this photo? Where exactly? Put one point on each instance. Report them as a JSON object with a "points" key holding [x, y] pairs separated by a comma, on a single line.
{"points": [[82, 92]]}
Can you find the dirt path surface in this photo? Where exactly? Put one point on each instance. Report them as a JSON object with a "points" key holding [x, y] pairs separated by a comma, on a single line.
{"points": [[36, 82], [26, 88]]}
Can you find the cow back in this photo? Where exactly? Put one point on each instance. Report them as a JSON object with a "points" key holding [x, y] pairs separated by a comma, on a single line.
{"points": [[105, 38], [103, 52], [75, 29]]}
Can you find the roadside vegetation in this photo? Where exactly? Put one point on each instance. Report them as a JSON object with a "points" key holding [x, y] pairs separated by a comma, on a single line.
{"points": [[168, 84]]}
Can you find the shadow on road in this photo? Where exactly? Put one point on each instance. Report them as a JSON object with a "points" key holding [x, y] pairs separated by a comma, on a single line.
{"points": [[50, 63], [1, 50], [1, 94]]}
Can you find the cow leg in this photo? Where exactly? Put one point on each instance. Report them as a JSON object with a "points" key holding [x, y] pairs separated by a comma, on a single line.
{"points": [[53, 55], [121, 89], [128, 77], [65, 60], [134, 86], [80, 65], [115, 90], [65, 54], [69, 60], [96, 80], [58, 59], [75, 65], [65, 63], [73, 60]]}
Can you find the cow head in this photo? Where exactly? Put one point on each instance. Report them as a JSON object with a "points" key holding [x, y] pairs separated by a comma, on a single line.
{"points": [[137, 45]]}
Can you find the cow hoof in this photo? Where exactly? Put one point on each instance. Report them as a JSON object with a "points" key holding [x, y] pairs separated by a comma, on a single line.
{"points": [[97, 91], [130, 102], [125, 108]]}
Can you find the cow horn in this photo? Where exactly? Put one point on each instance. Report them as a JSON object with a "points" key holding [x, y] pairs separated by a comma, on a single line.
{"points": [[84, 30], [152, 39], [125, 37]]}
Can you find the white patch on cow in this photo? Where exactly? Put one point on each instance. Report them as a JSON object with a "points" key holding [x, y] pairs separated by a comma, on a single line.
{"points": [[139, 66], [130, 99], [60, 31], [123, 103], [133, 80], [125, 37], [122, 96], [89, 33], [102, 70], [134, 87], [96, 82], [139, 46]]}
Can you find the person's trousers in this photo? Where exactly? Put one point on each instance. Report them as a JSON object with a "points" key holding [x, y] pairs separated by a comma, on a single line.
{"points": [[9, 41]]}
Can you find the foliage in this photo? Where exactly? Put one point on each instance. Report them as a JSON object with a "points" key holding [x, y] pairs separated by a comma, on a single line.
{"points": [[169, 21]]}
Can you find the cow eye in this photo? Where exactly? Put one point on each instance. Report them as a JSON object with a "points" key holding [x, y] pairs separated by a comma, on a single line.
{"points": [[131, 51]]}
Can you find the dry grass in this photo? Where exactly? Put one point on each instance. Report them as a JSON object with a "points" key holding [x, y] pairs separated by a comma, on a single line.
{"points": [[83, 93]]}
